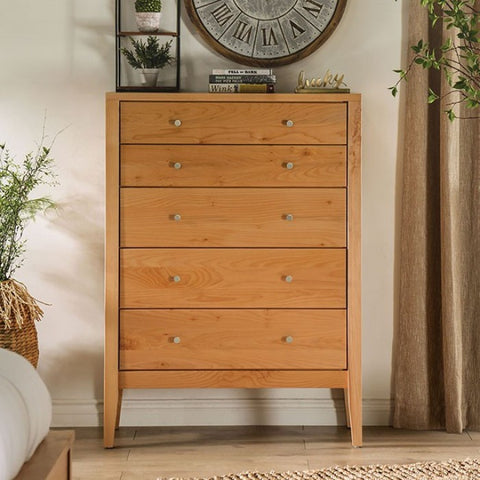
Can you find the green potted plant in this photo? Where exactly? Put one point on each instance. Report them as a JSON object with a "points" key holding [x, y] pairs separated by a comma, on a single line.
{"points": [[147, 15], [149, 57], [18, 205]]}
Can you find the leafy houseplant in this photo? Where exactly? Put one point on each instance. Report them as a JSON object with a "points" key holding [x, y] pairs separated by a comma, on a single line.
{"points": [[149, 55], [18, 309], [459, 55], [148, 13], [148, 5]]}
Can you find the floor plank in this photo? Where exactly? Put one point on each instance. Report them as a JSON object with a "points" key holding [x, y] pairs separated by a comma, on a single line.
{"points": [[148, 453]]}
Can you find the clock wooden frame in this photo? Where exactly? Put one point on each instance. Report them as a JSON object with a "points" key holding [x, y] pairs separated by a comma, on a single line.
{"points": [[265, 62]]}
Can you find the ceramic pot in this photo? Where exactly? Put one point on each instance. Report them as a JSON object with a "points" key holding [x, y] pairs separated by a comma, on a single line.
{"points": [[150, 77], [148, 21]]}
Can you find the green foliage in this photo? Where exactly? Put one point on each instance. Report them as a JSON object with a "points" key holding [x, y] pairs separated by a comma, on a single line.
{"points": [[149, 54], [460, 60], [432, 96], [17, 207], [148, 5]]}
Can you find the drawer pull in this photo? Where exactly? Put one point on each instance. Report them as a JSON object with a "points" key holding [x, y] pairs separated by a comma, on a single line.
{"points": [[288, 279], [289, 123], [177, 123], [176, 165], [289, 165], [289, 217], [177, 217], [176, 340], [177, 278], [289, 339]]}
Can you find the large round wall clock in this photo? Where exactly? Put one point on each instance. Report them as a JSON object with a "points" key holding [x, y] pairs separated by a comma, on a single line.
{"points": [[265, 32]]}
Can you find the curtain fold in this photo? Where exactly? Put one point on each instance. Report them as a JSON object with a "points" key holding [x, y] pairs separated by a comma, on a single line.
{"points": [[436, 364]]}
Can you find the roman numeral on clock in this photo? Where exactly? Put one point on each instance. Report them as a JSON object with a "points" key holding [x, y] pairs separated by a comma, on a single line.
{"points": [[313, 7], [297, 30], [243, 32], [265, 32], [269, 38], [222, 14]]}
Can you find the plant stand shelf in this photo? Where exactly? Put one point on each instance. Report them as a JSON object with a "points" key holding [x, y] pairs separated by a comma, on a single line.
{"points": [[129, 79]]}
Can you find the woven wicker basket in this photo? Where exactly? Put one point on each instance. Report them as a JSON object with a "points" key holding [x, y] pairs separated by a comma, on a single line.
{"points": [[22, 340], [18, 312]]}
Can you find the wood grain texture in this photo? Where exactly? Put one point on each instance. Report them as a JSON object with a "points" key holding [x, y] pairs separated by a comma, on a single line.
{"points": [[354, 273], [232, 278], [111, 271], [232, 217], [236, 123], [52, 460], [318, 339], [232, 99], [206, 451], [233, 379], [236, 166], [231, 149]]}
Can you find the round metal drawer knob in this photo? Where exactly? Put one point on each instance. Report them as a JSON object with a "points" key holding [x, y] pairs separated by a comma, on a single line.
{"points": [[289, 217], [177, 278], [177, 165], [289, 123], [177, 123], [289, 165], [176, 340], [289, 279], [177, 217], [289, 339]]}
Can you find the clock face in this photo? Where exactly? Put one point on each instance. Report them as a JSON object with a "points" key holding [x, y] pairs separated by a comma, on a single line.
{"points": [[265, 32]]}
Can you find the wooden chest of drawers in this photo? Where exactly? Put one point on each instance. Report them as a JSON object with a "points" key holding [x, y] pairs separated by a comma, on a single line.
{"points": [[232, 244]]}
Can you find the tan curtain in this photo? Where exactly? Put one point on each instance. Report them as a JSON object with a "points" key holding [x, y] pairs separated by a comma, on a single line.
{"points": [[436, 366]]}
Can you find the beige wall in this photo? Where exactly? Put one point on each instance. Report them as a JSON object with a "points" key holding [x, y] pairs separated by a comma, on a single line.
{"points": [[58, 57]]}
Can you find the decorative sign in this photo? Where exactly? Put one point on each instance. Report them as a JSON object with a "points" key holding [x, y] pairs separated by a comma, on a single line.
{"points": [[330, 83]]}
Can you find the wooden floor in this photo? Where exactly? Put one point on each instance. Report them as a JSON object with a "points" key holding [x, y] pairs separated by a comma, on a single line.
{"points": [[149, 453]]}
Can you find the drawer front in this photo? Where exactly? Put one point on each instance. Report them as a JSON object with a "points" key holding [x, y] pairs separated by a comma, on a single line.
{"points": [[236, 166], [232, 217], [232, 339], [233, 123], [236, 278]]}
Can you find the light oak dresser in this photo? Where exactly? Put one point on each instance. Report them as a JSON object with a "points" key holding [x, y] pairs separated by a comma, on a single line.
{"points": [[233, 244]]}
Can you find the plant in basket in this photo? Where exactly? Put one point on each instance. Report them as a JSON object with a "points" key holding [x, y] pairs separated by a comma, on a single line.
{"points": [[18, 205]]}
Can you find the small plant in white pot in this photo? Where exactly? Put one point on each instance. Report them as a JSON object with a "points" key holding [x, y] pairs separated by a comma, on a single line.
{"points": [[148, 13], [149, 57]]}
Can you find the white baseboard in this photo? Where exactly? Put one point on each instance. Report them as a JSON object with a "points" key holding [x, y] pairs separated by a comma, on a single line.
{"points": [[196, 412]]}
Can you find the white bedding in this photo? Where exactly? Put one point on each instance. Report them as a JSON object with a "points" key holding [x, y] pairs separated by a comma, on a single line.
{"points": [[25, 412]]}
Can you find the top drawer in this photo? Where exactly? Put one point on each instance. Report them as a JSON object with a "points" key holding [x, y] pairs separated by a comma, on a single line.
{"points": [[233, 123]]}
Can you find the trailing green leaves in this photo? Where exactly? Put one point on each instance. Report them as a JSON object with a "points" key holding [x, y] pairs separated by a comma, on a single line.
{"points": [[458, 59], [18, 181], [432, 96]]}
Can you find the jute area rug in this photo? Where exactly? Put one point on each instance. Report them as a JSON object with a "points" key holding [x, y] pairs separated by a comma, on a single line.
{"points": [[449, 470]]}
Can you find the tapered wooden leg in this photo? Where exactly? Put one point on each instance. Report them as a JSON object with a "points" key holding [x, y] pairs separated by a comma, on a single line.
{"points": [[110, 408], [119, 408], [354, 395], [347, 407]]}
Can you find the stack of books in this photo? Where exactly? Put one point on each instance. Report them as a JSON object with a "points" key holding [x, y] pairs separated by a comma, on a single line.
{"points": [[242, 81]]}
